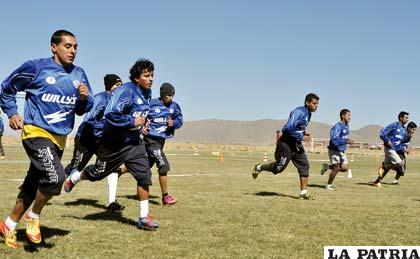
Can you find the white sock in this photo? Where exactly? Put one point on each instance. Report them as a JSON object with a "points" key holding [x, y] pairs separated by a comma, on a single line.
{"points": [[395, 181], [33, 215], [75, 177], [259, 168], [303, 192], [10, 224], [144, 208], [112, 187], [329, 185]]}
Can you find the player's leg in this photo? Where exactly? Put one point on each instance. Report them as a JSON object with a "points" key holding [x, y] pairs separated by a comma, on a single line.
{"points": [[282, 156], [301, 162]]}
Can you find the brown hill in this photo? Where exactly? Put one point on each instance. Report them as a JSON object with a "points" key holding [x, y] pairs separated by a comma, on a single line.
{"points": [[262, 132]]}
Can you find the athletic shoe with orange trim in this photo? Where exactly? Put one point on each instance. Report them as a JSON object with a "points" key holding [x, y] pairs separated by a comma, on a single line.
{"points": [[10, 236], [33, 231]]}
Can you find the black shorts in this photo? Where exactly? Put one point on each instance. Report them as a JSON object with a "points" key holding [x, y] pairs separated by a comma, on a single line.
{"points": [[109, 160], [154, 147], [84, 148], [292, 150], [46, 172]]}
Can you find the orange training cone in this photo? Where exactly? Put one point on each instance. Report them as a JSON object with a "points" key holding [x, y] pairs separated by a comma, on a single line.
{"points": [[265, 157]]}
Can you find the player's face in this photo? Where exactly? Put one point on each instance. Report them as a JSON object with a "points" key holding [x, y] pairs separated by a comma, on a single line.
{"points": [[347, 117], [115, 86], [145, 80], [411, 131], [65, 51], [312, 105], [167, 99], [404, 119]]}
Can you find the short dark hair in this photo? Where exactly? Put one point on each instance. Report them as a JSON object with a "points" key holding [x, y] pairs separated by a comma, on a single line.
{"points": [[411, 125], [139, 66], [344, 112], [310, 97], [402, 114], [56, 37]]}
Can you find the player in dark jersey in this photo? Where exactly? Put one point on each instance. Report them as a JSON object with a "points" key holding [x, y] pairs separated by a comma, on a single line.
{"points": [[289, 145], [56, 90], [125, 117]]}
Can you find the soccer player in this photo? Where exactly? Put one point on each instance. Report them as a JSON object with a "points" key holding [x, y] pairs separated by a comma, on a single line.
{"points": [[339, 138], [397, 139], [164, 118], [289, 145], [89, 135], [125, 116], [2, 155], [56, 90]]}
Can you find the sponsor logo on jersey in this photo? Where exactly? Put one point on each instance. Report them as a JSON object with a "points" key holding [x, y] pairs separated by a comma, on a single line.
{"points": [[161, 129], [171, 110], [140, 114], [160, 120], [50, 80], [60, 99], [56, 117]]}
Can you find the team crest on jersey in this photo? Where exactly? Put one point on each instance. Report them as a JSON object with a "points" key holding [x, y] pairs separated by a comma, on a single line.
{"points": [[139, 101], [50, 80], [171, 110], [157, 110]]}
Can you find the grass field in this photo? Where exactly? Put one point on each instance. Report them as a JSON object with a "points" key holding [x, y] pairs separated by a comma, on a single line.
{"points": [[222, 212]]}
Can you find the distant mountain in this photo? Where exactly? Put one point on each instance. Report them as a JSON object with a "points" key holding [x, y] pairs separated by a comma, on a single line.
{"points": [[214, 131], [259, 132]]}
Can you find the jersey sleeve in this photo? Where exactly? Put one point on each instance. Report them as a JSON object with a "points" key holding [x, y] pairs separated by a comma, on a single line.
{"points": [[118, 108], [17, 81], [178, 118]]}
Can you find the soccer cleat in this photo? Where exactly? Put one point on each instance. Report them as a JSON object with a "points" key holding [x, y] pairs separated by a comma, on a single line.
{"points": [[168, 200], [381, 171], [147, 223], [377, 184], [324, 168], [395, 183], [306, 196], [68, 185], [10, 236], [255, 172], [115, 207], [33, 231], [329, 187]]}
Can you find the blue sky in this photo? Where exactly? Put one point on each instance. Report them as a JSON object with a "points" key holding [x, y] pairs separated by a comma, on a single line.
{"points": [[240, 60]]}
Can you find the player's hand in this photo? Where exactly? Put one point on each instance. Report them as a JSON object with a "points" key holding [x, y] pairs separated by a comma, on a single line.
{"points": [[16, 122], [407, 150], [170, 122], [83, 92], [350, 141], [139, 121], [306, 137], [145, 131], [388, 144]]}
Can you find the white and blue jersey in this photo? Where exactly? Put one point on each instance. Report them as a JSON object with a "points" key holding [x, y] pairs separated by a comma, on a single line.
{"points": [[298, 122], [396, 134], [52, 97], [127, 103], [95, 118], [339, 135], [158, 118]]}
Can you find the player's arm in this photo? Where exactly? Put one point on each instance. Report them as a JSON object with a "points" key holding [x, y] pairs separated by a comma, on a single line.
{"points": [[335, 137], [85, 98], [178, 119], [384, 135], [118, 111], [17, 81]]}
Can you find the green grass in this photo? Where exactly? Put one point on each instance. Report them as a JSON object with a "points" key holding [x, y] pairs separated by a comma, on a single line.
{"points": [[222, 212]]}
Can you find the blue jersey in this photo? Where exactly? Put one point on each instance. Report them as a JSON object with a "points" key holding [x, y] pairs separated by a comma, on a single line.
{"points": [[95, 118], [339, 135], [1, 126], [158, 118], [298, 122], [52, 97], [127, 102], [396, 134]]}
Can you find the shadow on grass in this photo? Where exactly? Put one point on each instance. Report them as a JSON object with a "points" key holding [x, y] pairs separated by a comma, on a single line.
{"points": [[275, 194], [317, 186], [368, 184], [93, 203], [134, 197], [106, 215], [46, 234]]}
